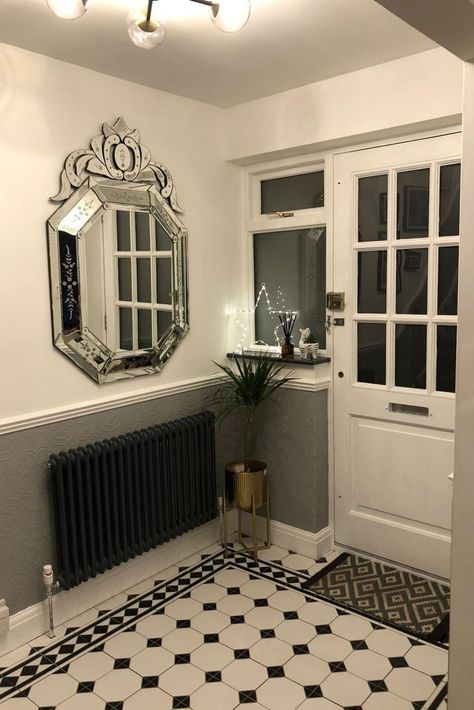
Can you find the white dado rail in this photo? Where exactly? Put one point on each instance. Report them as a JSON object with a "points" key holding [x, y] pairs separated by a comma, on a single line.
{"points": [[59, 414]]}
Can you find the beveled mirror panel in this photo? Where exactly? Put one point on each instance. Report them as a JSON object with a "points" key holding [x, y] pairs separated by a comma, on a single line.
{"points": [[118, 259]]}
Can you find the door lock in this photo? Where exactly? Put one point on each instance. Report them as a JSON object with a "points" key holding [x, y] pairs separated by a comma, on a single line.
{"points": [[336, 301]]}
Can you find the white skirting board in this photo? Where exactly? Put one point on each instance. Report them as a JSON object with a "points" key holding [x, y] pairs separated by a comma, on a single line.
{"points": [[4, 615], [309, 544], [32, 622]]}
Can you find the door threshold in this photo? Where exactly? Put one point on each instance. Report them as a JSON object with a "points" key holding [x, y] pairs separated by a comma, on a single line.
{"points": [[406, 568]]}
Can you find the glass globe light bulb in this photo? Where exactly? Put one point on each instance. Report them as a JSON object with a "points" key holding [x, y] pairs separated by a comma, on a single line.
{"points": [[230, 15], [68, 9], [146, 34]]}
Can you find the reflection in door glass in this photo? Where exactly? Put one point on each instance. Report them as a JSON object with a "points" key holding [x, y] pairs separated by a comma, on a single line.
{"points": [[163, 280], [126, 328], [144, 280], [162, 241], [448, 281], [124, 279], [372, 281], [372, 213], [413, 204], [142, 231], [163, 322], [412, 280], [123, 230], [446, 358], [144, 328], [371, 349], [449, 196], [410, 356]]}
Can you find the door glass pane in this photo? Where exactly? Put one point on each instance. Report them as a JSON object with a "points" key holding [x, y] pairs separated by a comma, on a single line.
{"points": [[292, 266], [372, 214], [163, 242], [412, 280], [126, 328], [410, 356], [413, 204], [123, 230], [163, 322], [295, 192], [144, 328], [125, 279], [371, 349], [446, 358], [372, 282], [144, 280], [163, 280], [142, 231], [448, 281], [449, 197]]}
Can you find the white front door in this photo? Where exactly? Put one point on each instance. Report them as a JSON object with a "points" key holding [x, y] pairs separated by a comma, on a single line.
{"points": [[396, 234]]}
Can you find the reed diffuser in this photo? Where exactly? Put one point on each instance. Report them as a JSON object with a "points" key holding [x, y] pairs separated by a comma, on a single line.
{"points": [[287, 320]]}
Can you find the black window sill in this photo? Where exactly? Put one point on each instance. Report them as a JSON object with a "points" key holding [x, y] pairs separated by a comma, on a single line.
{"points": [[296, 360]]}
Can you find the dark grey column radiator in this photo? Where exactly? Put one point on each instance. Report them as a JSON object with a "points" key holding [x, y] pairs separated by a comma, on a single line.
{"points": [[118, 498]]}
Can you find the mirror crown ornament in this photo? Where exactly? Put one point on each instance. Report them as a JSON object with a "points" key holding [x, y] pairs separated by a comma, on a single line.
{"points": [[117, 154]]}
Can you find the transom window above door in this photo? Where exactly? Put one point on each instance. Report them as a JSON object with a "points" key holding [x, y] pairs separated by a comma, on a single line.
{"points": [[304, 191], [406, 246]]}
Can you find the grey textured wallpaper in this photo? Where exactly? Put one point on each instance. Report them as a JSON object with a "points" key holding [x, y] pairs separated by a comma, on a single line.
{"points": [[291, 437]]}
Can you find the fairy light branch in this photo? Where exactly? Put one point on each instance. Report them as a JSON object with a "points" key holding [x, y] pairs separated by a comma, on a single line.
{"points": [[280, 310]]}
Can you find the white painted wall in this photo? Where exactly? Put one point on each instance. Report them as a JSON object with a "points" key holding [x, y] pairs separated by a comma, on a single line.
{"points": [[462, 619], [415, 93], [47, 109]]}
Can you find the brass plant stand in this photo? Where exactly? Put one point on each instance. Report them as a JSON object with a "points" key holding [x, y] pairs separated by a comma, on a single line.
{"points": [[246, 488]]}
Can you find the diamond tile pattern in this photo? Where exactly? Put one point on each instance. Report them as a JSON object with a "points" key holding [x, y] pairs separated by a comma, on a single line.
{"points": [[225, 633]]}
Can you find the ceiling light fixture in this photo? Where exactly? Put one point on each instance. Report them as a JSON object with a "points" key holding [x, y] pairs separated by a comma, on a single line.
{"points": [[68, 9], [147, 23]]}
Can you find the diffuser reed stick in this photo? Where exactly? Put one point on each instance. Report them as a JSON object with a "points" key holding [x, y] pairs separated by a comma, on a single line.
{"points": [[287, 321]]}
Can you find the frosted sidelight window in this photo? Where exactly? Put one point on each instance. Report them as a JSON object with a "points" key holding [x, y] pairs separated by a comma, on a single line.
{"points": [[292, 265]]}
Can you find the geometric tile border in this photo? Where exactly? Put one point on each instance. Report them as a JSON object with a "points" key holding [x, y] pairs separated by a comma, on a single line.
{"points": [[42, 662]]}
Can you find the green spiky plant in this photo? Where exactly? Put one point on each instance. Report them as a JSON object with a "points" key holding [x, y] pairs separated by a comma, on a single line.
{"points": [[253, 382]]}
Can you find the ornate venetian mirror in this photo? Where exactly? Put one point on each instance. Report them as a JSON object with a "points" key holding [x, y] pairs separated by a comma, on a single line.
{"points": [[118, 259]]}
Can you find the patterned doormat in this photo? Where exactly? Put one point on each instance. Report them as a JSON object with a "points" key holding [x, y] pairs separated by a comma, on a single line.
{"points": [[398, 598]]}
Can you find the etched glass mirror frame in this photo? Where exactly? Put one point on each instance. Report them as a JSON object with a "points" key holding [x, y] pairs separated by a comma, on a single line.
{"points": [[114, 180]]}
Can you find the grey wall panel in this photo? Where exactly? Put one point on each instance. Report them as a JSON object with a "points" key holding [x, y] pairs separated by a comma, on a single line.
{"points": [[291, 436], [26, 530]]}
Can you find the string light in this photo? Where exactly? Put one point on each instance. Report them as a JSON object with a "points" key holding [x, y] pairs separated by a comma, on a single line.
{"points": [[280, 309]]}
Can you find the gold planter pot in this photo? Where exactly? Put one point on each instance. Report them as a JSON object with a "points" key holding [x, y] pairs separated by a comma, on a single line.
{"points": [[246, 488], [242, 481]]}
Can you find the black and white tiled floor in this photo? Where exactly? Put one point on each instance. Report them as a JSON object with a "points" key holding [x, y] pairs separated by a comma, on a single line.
{"points": [[221, 633]]}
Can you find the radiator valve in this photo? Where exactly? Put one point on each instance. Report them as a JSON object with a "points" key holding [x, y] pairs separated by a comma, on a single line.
{"points": [[50, 586]]}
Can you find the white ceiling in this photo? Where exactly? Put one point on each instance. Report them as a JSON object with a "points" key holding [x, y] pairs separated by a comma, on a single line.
{"points": [[287, 43]]}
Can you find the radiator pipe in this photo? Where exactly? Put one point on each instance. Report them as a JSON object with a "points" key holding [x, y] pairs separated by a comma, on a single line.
{"points": [[48, 580], [220, 510]]}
